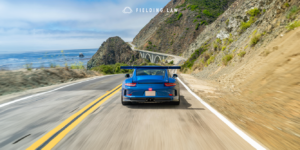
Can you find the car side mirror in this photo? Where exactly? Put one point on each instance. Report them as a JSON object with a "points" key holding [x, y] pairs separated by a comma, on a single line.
{"points": [[127, 75], [175, 75]]}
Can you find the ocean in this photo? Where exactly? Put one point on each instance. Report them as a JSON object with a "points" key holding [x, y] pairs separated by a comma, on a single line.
{"points": [[45, 59]]}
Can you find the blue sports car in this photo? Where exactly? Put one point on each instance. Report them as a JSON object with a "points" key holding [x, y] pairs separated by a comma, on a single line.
{"points": [[150, 84]]}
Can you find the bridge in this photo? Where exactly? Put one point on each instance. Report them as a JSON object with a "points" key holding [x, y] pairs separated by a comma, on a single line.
{"points": [[155, 57]]}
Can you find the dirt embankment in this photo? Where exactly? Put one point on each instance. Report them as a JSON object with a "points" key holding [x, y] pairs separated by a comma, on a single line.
{"points": [[15, 81], [261, 94]]}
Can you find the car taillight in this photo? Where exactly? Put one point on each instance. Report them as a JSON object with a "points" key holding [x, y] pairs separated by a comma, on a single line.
{"points": [[170, 94], [129, 94], [130, 84], [170, 84]]}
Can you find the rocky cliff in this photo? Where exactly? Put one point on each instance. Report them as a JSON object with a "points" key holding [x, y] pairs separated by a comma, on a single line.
{"points": [[113, 50], [173, 32], [245, 27]]}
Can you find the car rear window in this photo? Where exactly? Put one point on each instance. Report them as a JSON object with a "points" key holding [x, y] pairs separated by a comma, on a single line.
{"points": [[151, 72]]}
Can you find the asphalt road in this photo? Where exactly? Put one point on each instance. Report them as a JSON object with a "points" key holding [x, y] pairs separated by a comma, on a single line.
{"points": [[112, 125]]}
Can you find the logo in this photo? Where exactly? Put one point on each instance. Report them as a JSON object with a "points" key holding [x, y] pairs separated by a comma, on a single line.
{"points": [[127, 10]]}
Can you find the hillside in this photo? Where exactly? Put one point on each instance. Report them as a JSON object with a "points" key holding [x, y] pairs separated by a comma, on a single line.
{"points": [[251, 59], [243, 62], [173, 32]]}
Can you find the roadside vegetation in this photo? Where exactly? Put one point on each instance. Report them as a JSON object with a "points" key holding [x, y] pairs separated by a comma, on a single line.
{"points": [[292, 12], [226, 59], [28, 66], [242, 53], [293, 25], [116, 68], [206, 11], [253, 13], [190, 62]]}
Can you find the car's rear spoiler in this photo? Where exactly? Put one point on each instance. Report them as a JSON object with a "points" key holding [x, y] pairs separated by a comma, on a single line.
{"points": [[150, 67]]}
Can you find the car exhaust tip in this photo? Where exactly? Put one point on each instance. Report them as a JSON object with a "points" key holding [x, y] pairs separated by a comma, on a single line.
{"points": [[150, 100]]}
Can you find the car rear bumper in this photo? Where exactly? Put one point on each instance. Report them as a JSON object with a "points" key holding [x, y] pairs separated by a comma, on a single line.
{"points": [[151, 99]]}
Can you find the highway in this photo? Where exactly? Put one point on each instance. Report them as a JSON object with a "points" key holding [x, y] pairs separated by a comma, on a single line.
{"points": [[89, 115]]}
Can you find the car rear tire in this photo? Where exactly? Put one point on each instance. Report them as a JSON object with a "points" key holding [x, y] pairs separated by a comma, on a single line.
{"points": [[124, 103], [176, 103]]}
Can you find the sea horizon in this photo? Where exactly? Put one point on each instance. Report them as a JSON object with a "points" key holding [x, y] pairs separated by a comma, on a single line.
{"points": [[45, 58]]}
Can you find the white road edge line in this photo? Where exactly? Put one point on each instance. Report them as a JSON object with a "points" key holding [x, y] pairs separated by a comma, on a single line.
{"points": [[24, 98], [231, 125]]}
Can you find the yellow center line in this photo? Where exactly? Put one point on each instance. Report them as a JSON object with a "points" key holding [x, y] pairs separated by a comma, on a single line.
{"points": [[55, 135]]}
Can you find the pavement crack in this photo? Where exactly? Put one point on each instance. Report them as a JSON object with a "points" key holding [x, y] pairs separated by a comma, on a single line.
{"points": [[21, 138]]}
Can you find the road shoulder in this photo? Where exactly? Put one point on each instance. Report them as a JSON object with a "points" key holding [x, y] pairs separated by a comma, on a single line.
{"points": [[10, 97]]}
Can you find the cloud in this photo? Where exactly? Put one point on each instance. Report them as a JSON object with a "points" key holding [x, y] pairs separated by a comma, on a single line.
{"points": [[55, 24]]}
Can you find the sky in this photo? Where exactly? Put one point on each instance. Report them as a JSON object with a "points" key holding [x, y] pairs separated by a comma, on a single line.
{"points": [[38, 25]]}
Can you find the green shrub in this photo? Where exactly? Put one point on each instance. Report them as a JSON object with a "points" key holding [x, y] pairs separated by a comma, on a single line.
{"points": [[192, 7], [197, 26], [286, 4], [111, 69], [217, 43], [215, 46], [292, 12], [203, 22], [255, 39], [207, 13], [190, 62], [28, 66], [227, 22], [179, 16], [171, 62], [246, 25], [198, 16], [116, 68], [223, 48], [293, 25], [187, 28], [195, 20], [253, 12], [242, 53], [183, 9], [78, 65], [210, 60], [228, 40], [149, 42], [52, 65], [226, 59]]}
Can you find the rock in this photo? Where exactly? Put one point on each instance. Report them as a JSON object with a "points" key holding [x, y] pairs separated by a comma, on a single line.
{"points": [[81, 55], [113, 50]]}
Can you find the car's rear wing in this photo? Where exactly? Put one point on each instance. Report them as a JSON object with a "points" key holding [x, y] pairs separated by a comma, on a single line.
{"points": [[150, 67]]}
